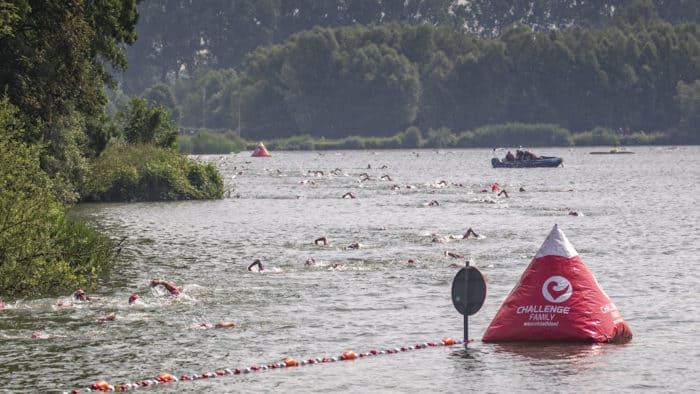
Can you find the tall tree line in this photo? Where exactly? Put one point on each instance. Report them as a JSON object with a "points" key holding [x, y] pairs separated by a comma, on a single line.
{"points": [[638, 74], [53, 59], [178, 37]]}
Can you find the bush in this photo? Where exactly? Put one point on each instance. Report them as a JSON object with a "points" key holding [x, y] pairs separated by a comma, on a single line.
{"points": [[597, 137], [210, 142], [148, 173], [440, 138], [411, 138], [42, 252], [521, 134]]}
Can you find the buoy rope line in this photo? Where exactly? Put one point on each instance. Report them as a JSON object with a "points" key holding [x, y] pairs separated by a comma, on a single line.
{"points": [[288, 362]]}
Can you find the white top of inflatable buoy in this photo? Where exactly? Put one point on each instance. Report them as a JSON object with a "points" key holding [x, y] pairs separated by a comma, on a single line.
{"points": [[260, 151], [556, 244]]}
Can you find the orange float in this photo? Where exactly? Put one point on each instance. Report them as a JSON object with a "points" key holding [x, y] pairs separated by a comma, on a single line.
{"points": [[100, 385], [349, 355], [165, 377], [447, 341], [290, 362]]}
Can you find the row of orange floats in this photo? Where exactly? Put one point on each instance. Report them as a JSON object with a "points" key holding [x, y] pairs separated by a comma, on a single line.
{"points": [[288, 362]]}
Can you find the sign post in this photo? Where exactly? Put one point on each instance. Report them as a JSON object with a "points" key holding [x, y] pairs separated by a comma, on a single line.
{"points": [[468, 294]]}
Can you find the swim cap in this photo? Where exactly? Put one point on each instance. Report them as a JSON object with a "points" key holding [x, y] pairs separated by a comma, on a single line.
{"points": [[133, 298]]}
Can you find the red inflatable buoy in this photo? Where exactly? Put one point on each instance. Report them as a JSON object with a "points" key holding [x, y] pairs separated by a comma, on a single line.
{"points": [[557, 300], [261, 151]]}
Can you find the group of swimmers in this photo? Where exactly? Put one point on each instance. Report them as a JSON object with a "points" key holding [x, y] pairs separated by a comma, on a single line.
{"points": [[80, 296]]}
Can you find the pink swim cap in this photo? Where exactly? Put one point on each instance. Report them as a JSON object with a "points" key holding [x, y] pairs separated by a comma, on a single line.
{"points": [[133, 298]]}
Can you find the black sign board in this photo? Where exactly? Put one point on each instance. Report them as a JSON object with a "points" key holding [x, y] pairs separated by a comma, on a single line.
{"points": [[468, 290]]}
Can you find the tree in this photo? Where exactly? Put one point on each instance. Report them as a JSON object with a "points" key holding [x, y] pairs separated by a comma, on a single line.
{"points": [[147, 123], [41, 250], [52, 68], [688, 100]]}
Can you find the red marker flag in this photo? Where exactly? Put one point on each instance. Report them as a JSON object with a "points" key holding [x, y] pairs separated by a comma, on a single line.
{"points": [[557, 300]]}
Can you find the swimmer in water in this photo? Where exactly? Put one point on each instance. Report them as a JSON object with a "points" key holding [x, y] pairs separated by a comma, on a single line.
{"points": [[433, 203], [338, 265], [349, 195], [110, 316], [221, 324], [453, 254], [258, 263], [81, 296], [323, 240], [311, 261], [170, 286], [354, 245], [470, 231], [437, 238], [503, 192], [133, 298]]}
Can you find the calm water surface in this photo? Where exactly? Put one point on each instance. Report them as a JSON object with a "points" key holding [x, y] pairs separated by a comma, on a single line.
{"points": [[638, 235]]}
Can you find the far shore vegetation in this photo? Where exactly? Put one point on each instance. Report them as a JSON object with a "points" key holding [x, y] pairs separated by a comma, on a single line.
{"points": [[492, 136]]}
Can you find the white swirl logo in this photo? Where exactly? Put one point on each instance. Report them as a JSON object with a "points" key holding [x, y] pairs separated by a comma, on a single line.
{"points": [[557, 289]]}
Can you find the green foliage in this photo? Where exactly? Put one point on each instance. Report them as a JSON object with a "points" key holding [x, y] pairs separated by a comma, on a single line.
{"points": [[41, 250], [148, 173], [163, 95], [512, 134], [597, 137], [440, 138], [52, 67], [688, 99], [147, 123], [211, 142], [642, 138], [411, 138]]}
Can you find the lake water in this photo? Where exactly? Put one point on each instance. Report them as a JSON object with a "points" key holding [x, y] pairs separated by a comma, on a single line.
{"points": [[638, 235]]}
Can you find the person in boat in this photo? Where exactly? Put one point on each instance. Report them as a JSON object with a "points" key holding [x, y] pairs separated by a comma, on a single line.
{"points": [[323, 240], [469, 232], [519, 154], [509, 156], [258, 263], [348, 195], [170, 286], [529, 156]]}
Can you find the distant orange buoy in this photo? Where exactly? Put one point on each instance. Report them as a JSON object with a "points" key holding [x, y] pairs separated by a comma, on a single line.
{"points": [[290, 362], [448, 341], [261, 151], [349, 355], [165, 377], [100, 385]]}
